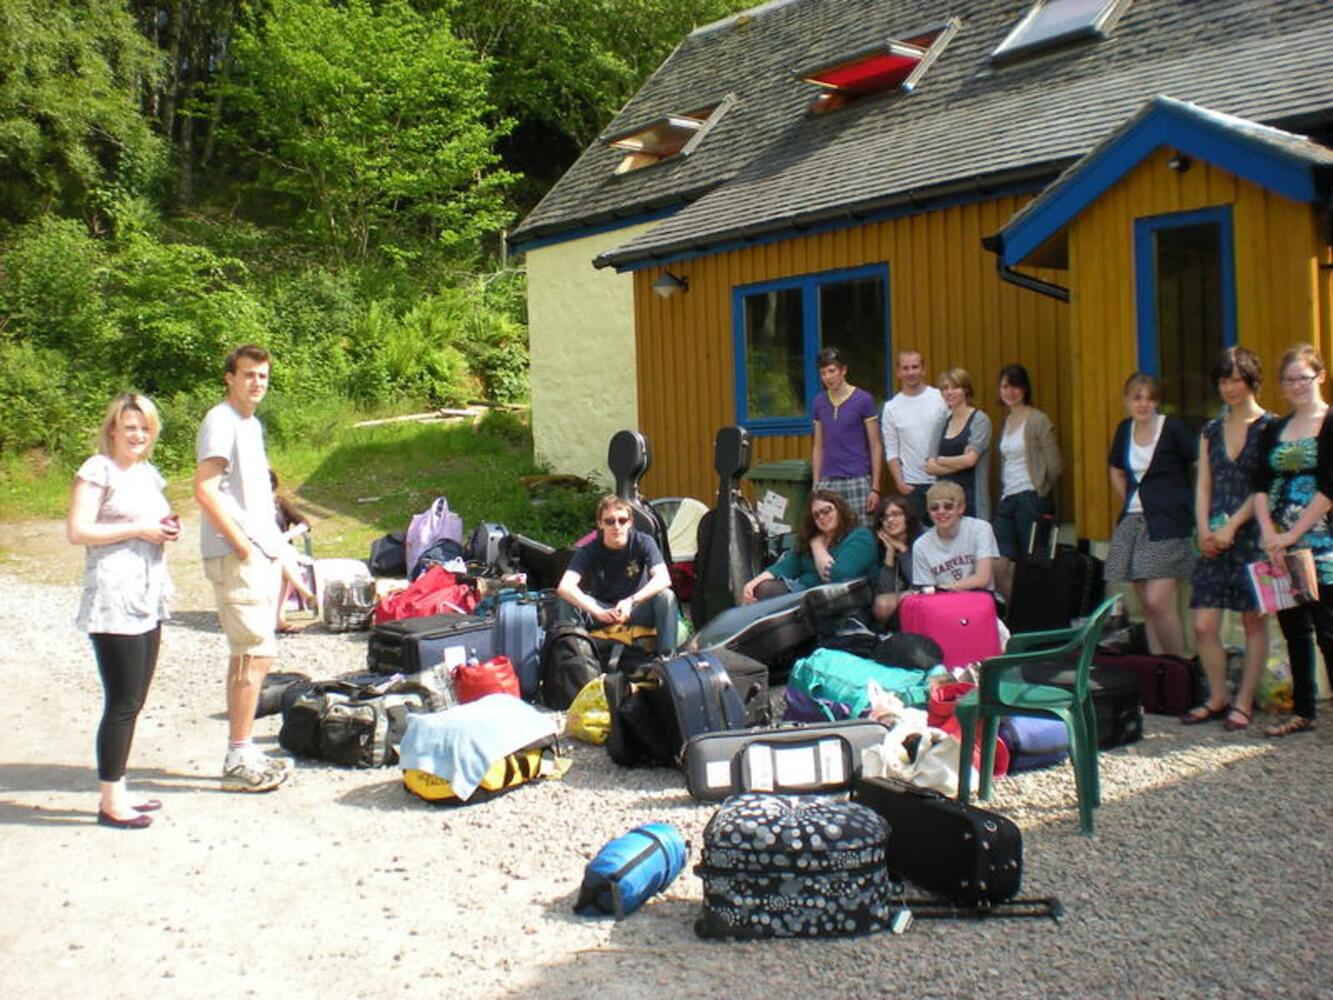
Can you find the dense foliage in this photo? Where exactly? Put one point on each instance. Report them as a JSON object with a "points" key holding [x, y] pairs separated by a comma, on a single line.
{"points": [[329, 178]]}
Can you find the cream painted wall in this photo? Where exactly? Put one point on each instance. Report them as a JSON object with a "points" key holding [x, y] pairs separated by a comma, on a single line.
{"points": [[581, 342]]}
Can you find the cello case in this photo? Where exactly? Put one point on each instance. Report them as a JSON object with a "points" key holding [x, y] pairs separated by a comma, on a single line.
{"points": [[629, 458], [731, 537]]}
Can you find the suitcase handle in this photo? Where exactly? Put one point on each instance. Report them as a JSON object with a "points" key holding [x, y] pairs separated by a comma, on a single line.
{"points": [[1053, 534]]}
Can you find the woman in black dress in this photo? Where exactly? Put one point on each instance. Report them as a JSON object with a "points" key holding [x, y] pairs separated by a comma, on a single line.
{"points": [[1228, 539]]}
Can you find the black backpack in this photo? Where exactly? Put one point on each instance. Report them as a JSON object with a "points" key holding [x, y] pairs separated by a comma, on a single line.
{"points": [[909, 649], [388, 555], [569, 661]]}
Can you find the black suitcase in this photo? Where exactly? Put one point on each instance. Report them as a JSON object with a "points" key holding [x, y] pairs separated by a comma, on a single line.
{"points": [[750, 679], [693, 695], [792, 866], [970, 855], [543, 564], [415, 644], [1168, 685], [1116, 696], [823, 758], [1054, 586]]}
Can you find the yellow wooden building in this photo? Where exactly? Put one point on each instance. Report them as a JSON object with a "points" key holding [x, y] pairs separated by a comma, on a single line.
{"points": [[956, 179]]}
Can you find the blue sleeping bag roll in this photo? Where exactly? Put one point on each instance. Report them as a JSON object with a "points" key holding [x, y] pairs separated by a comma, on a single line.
{"points": [[631, 868], [1034, 742]]}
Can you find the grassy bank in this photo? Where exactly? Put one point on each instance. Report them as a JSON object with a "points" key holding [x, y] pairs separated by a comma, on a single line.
{"points": [[359, 483]]}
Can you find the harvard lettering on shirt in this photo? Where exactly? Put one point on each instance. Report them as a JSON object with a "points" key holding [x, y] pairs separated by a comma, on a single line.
{"points": [[940, 561]]}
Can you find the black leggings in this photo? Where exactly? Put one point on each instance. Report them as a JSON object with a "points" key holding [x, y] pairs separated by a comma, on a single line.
{"points": [[126, 663], [1304, 627]]}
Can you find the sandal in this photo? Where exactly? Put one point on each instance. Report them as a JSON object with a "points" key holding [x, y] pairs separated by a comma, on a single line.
{"points": [[1231, 724], [1192, 718], [1296, 724]]}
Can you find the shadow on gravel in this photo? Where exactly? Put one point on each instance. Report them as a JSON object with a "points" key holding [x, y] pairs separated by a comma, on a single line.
{"points": [[68, 778], [384, 795], [19, 814], [197, 621]]}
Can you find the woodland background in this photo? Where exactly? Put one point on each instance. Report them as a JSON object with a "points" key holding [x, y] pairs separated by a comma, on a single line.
{"points": [[329, 178]]}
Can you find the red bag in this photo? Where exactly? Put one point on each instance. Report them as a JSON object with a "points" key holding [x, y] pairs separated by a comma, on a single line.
{"points": [[434, 592], [940, 714], [477, 680]]}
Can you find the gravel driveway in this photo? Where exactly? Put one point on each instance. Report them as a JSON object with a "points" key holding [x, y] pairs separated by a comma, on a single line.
{"points": [[341, 884]]}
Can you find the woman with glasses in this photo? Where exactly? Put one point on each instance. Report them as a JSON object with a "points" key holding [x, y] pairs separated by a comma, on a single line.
{"points": [[1228, 537], [1293, 483], [831, 546], [959, 552], [621, 578], [962, 442], [896, 527], [118, 511], [1150, 462], [1030, 465]]}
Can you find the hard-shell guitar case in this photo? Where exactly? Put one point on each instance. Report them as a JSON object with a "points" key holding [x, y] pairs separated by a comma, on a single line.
{"points": [[731, 537], [629, 459]]}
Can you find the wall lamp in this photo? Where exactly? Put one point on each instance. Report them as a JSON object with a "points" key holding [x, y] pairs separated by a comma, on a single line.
{"points": [[668, 285], [1180, 163]]}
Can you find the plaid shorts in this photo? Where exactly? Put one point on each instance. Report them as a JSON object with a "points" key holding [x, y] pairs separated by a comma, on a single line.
{"points": [[855, 490]]}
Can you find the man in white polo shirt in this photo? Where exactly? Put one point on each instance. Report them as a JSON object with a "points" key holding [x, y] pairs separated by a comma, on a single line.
{"points": [[909, 421]]}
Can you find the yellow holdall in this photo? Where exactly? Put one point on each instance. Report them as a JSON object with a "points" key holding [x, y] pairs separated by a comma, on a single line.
{"points": [[589, 716]]}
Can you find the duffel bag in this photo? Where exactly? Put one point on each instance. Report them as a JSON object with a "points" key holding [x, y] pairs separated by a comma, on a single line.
{"points": [[473, 681], [366, 732], [830, 676], [630, 869], [533, 763]]}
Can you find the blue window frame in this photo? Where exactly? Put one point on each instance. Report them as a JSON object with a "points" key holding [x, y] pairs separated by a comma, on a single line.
{"points": [[1185, 278], [778, 329]]}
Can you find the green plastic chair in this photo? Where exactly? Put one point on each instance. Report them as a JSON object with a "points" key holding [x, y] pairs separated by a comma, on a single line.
{"points": [[1002, 690]]}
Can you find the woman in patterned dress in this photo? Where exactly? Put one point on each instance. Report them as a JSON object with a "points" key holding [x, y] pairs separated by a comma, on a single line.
{"points": [[1292, 486], [1228, 539]]}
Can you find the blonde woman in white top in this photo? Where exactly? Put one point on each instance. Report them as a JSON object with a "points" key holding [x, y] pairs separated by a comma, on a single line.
{"points": [[117, 509]]}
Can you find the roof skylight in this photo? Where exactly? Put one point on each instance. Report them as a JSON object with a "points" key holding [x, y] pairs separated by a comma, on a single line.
{"points": [[1055, 22], [664, 137], [895, 64]]}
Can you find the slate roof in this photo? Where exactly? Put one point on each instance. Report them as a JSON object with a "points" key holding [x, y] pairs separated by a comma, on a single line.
{"points": [[769, 167]]}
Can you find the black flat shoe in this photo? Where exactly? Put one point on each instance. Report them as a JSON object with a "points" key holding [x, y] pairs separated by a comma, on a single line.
{"points": [[151, 806], [137, 823], [1209, 714]]}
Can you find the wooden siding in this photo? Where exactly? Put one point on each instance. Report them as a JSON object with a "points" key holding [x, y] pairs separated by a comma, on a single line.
{"points": [[945, 300], [1278, 300]]}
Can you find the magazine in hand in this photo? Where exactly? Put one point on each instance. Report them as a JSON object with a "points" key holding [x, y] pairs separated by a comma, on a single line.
{"points": [[1276, 590]]}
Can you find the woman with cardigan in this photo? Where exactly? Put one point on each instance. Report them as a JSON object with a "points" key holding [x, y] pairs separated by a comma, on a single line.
{"points": [[961, 445], [1293, 483], [1150, 462], [831, 545], [1029, 469]]}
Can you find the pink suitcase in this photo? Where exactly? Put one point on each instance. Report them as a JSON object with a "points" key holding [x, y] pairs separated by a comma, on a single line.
{"points": [[963, 624]]}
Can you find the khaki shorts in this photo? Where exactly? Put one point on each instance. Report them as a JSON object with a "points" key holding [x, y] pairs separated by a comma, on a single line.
{"points": [[247, 599]]}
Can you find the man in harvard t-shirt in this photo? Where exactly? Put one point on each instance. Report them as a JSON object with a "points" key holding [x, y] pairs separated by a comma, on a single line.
{"points": [[620, 577]]}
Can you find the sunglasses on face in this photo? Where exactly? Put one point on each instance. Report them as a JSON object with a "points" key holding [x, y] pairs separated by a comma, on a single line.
{"points": [[942, 505], [613, 522]]}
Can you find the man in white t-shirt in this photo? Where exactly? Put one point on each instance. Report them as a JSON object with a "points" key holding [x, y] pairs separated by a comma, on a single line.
{"points": [[240, 543], [908, 422], [959, 553]]}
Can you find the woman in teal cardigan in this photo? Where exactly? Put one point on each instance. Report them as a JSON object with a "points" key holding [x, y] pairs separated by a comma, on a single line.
{"points": [[831, 545]]}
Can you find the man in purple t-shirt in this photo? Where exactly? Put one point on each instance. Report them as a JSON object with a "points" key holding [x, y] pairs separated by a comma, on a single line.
{"points": [[846, 456]]}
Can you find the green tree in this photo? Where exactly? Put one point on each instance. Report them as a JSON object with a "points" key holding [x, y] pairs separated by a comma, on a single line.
{"points": [[70, 121], [374, 118]]}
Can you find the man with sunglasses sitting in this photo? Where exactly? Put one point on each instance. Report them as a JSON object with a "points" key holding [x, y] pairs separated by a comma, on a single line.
{"points": [[620, 577], [959, 552]]}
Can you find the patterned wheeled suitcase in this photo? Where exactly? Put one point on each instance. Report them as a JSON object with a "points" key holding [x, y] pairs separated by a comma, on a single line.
{"points": [[790, 759], [777, 866], [971, 855]]}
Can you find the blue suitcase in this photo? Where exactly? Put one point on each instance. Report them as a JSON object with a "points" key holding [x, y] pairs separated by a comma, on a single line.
{"points": [[519, 637], [694, 695]]}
